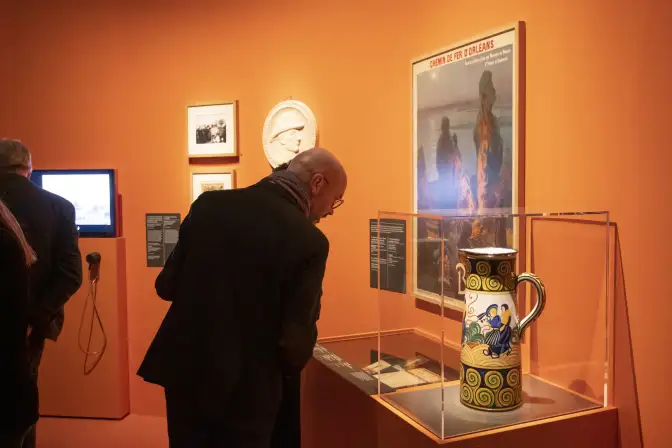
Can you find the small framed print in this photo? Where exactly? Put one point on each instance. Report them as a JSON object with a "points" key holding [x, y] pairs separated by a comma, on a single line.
{"points": [[212, 130], [202, 182]]}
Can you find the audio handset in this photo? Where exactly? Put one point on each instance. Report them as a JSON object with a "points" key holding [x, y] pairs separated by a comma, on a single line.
{"points": [[94, 266]]}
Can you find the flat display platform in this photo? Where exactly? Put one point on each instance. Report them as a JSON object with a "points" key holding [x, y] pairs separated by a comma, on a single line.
{"points": [[362, 351], [542, 400]]}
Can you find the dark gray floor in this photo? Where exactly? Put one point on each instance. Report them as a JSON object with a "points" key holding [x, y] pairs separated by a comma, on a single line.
{"points": [[542, 400]]}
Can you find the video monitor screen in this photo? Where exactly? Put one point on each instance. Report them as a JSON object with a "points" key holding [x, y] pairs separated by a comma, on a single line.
{"points": [[91, 192]]}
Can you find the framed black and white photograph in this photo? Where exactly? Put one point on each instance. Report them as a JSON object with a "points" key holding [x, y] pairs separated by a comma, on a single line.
{"points": [[212, 130]]}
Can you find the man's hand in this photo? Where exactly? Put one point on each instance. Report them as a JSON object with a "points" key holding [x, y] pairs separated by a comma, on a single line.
{"points": [[30, 330]]}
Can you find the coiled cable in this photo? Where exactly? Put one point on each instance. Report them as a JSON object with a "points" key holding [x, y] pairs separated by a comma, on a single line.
{"points": [[93, 289]]}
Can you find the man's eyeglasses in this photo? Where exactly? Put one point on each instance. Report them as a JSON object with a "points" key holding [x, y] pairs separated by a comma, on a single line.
{"points": [[338, 202]]}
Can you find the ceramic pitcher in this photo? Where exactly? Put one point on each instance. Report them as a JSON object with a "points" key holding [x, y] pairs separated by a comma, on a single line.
{"points": [[490, 374]]}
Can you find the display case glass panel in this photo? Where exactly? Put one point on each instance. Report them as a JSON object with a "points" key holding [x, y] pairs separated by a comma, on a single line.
{"points": [[459, 349]]}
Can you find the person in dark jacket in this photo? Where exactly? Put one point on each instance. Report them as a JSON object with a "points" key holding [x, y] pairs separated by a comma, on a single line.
{"points": [[18, 406], [48, 221], [245, 281], [287, 428]]}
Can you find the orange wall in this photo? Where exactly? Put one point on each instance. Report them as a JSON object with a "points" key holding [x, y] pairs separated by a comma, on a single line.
{"points": [[105, 84], [7, 67]]}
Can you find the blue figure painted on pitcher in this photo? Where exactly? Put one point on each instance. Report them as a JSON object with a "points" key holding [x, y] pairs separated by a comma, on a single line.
{"points": [[498, 339]]}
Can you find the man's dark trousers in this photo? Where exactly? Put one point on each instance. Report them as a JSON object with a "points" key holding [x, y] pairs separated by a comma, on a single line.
{"points": [[287, 431], [36, 348]]}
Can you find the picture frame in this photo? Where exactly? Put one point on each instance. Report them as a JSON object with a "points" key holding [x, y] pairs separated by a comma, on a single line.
{"points": [[208, 180], [212, 130], [465, 106]]}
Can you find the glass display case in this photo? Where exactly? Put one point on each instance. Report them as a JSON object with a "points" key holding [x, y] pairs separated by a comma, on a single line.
{"points": [[492, 319]]}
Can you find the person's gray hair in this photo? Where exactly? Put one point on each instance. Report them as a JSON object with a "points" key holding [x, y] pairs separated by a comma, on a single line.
{"points": [[14, 155]]}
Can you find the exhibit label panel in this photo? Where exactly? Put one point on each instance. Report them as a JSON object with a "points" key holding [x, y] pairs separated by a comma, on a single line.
{"points": [[162, 234], [392, 243]]}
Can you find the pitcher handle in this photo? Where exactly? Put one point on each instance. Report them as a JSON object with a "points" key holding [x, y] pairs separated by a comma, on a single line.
{"points": [[541, 300]]}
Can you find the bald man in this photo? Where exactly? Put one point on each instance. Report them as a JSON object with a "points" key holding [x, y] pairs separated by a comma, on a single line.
{"points": [[244, 282]]}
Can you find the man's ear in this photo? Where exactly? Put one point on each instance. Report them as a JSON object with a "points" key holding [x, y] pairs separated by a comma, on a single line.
{"points": [[314, 182], [321, 182]]}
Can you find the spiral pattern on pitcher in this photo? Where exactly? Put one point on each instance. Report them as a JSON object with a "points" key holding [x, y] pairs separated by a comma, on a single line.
{"points": [[513, 378], [484, 397], [506, 397], [510, 283], [493, 283], [488, 389], [494, 379], [504, 268], [472, 377], [474, 282], [466, 394], [483, 268], [519, 395]]}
